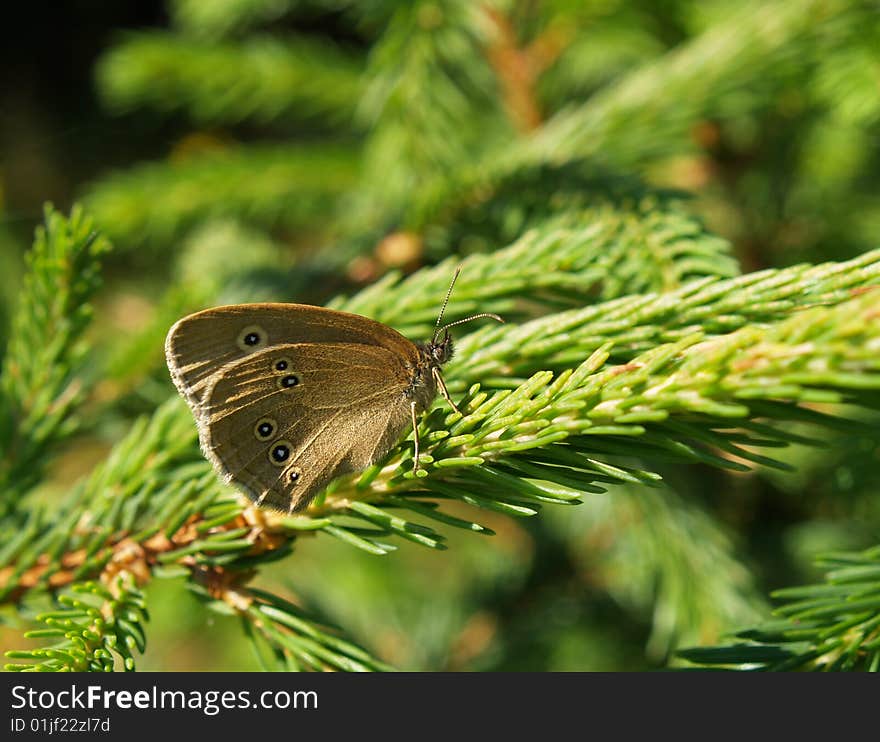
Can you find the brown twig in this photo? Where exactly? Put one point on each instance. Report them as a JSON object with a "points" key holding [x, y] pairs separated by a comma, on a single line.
{"points": [[519, 67], [124, 554]]}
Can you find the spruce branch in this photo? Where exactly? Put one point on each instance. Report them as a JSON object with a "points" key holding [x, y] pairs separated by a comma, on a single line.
{"points": [[139, 490], [220, 18], [608, 250], [637, 118], [656, 224], [43, 375], [637, 323], [834, 625], [662, 557], [284, 639], [267, 184], [414, 110], [617, 44], [225, 18], [261, 79], [97, 627], [649, 112]]}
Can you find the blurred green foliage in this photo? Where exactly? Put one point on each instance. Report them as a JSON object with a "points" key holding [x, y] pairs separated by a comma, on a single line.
{"points": [[579, 152]]}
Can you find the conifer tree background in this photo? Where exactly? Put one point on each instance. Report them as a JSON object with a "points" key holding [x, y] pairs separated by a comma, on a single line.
{"points": [[669, 454]]}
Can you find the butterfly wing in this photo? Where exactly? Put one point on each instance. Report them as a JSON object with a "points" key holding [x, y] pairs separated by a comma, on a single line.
{"points": [[283, 421], [199, 345]]}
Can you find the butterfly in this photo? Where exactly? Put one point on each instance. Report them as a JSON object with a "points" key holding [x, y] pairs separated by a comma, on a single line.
{"points": [[288, 397]]}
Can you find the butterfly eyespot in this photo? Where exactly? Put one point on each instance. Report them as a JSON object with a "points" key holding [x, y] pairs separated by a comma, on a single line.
{"points": [[265, 429], [282, 364], [251, 338], [287, 382], [280, 452], [293, 476]]}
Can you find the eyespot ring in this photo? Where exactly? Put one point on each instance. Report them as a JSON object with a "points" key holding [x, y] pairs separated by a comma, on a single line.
{"points": [[265, 428], [282, 364], [280, 453], [251, 338], [288, 381]]}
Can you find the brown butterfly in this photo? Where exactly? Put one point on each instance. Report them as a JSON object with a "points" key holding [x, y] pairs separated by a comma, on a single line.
{"points": [[289, 396]]}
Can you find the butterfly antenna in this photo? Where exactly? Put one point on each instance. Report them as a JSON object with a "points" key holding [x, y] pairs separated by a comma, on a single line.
{"points": [[468, 319], [437, 329]]}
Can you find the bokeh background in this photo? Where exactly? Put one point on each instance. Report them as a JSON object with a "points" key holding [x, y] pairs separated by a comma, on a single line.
{"points": [[297, 149]]}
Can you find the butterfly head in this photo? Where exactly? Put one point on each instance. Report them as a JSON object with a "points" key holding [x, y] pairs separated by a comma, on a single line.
{"points": [[439, 351]]}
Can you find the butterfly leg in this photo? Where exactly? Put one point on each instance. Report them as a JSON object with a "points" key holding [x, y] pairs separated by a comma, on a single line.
{"points": [[415, 424], [441, 385]]}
